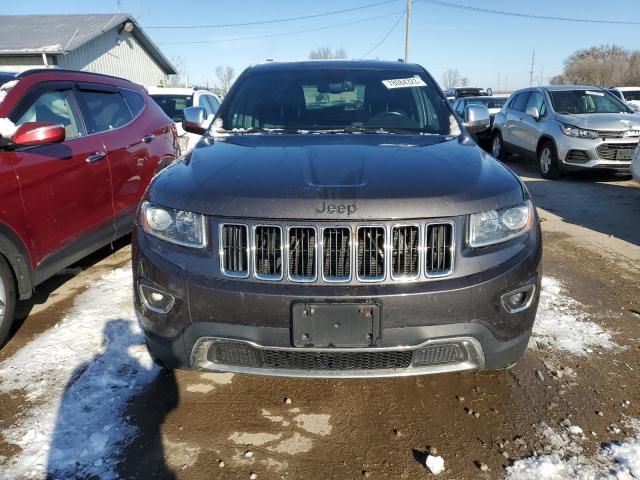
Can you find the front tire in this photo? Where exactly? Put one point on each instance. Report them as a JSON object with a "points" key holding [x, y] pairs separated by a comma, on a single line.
{"points": [[497, 146], [548, 161], [7, 300]]}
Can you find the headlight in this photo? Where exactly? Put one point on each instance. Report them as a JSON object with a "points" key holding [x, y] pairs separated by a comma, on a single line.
{"points": [[572, 131], [175, 226], [495, 226]]}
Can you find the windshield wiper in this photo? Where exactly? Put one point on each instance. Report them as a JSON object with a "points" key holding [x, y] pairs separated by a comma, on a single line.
{"points": [[251, 130], [369, 130]]}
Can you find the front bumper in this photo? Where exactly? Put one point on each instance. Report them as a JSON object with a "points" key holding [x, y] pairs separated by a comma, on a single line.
{"points": [[435, 326], [580, 153]]}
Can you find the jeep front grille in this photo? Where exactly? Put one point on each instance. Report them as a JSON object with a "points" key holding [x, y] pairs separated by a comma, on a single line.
{"points": [[336, 248], [326, 253], [234, 250], [268, 252], [371, 253], [405, 251], [302, 254], [439, 249]]}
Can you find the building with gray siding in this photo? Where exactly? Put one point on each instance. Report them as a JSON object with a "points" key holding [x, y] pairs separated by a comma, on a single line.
{"points": [[102, 43]]}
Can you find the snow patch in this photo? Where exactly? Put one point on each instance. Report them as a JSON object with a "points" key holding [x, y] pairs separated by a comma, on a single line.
{"points": [[562, 324], [78, 376], [563, 459]]}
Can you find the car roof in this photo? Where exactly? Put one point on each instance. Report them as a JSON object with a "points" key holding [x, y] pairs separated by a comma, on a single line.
{"points": [[336, 64], [483, 97], [625, 89], [553, 88], [6, 76], [171, 90]]}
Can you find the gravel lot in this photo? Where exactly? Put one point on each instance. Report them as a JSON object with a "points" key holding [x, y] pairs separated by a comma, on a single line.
{"points": [[80, 396]]}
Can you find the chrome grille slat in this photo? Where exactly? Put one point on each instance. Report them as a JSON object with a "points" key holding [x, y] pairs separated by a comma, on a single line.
{"points": [[268, 252], [371, 254], [234, 250], [609, 151], [302, 243], [336, 248], [439, 249], [405, 243]]}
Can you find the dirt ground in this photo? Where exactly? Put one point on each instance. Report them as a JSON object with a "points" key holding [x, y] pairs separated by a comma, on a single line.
{"points": [[194, 425]]}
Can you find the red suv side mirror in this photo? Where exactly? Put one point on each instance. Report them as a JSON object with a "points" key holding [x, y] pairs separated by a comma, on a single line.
{"points": [[38, 133]]}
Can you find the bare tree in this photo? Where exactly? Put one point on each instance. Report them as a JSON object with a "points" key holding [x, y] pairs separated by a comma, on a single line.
{"points": [[225, 79], [451, 79], [603, 66], [323, 53]]}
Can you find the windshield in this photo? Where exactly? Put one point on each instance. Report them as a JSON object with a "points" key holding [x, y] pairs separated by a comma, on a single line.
{"points": [[337, 99], [174, 105], [631, 95], [488, 102], [578, 102]]}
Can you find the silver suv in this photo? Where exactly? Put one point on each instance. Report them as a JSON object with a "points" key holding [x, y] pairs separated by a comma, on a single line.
{"points": [[567, 128]]}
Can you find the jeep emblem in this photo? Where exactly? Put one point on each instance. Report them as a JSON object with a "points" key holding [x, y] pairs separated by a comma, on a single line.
{"points": [[339, 209]]}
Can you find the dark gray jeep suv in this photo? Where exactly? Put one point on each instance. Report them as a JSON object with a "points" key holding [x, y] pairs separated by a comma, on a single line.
{"points": [[336, 220]]}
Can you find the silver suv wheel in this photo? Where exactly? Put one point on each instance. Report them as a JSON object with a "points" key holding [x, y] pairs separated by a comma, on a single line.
{"points": [[546, 158], [496, 146]]}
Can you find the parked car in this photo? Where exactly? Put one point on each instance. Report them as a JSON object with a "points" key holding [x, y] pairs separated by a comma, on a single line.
{"points": [[71, 176], [337, 220], [173, 101], [629, 95], [461, 92], [493, 104], [635, 165], [567, 128]]}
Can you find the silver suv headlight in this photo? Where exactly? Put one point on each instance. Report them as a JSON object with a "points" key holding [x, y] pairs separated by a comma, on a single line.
{"points": [[576, 132], [496, 226], [175, 226]]}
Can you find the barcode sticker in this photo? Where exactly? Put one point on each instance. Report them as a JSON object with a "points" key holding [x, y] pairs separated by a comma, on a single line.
{"points": [[404, 82]]}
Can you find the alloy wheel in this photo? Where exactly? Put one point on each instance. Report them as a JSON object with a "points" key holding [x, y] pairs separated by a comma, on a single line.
{"points": [[545, 160], [496, 146]]}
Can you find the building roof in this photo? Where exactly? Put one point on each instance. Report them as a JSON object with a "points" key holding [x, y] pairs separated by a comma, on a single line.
{"points": [[59, 34]]}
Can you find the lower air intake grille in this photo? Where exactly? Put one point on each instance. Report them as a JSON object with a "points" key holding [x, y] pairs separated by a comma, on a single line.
{"points": [[234, 353], [404, 251], [439, 249], [336, 243], [234, 250], [439, 354], [279, 359], [371, 255], [268, 252], [577, 156], [302, 254]]}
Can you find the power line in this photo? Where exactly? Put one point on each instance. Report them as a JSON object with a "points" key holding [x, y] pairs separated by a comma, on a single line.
{"points": [[279, 20], [395, 25], [524, 15], [269, 35]]}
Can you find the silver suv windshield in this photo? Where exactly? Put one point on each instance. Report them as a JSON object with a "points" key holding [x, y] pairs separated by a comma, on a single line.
{"points": [[337, 100], [580, 102]]}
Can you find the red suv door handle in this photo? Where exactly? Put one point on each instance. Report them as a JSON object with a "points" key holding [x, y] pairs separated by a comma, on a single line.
{"points": [[96, 157], [148, 138]]}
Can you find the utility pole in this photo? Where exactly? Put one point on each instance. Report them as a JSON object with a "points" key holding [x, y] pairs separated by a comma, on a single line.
{"points": [[407, 32], [533, 60]]}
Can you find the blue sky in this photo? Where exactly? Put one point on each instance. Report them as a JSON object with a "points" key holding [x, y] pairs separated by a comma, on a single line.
{"points": [[491, 50]]}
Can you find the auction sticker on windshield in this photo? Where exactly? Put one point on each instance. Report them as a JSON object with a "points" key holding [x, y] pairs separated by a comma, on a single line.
{"points": [[404, 82]]}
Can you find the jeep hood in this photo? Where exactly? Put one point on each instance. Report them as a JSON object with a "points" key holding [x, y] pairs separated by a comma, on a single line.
{"points": [[602, 121], [291, 176]]}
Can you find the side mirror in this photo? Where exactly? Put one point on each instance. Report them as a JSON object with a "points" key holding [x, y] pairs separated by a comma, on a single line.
{"points": [[38, 133], [195, 120], [477, 118], [533, 113]]}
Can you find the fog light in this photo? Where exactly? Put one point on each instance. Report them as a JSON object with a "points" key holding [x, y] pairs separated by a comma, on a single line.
{"points": [[156, 300], [518, 300]]}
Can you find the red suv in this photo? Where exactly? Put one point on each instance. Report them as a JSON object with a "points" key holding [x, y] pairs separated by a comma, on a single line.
{"points": [[72, 174]]}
